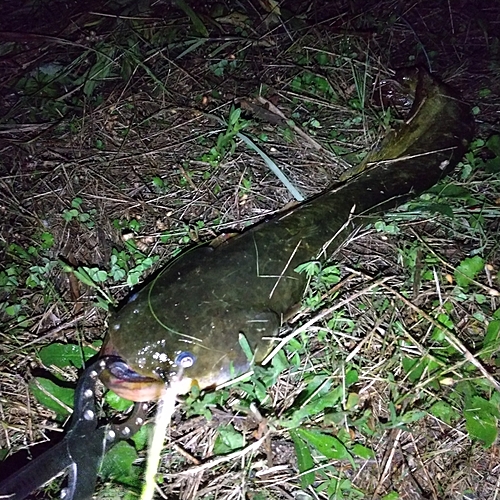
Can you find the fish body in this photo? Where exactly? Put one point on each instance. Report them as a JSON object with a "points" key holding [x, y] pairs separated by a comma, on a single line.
{"points": [[201, 304]]}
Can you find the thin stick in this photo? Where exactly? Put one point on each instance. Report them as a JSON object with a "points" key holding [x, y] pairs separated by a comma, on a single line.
{"points": [[226, 458], [321, 315], [285, 268], [493, 292], [166, 408], [452, 339]]}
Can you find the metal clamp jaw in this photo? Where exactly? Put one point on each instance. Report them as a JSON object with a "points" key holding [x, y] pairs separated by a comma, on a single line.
{"points": [[82, 449]]}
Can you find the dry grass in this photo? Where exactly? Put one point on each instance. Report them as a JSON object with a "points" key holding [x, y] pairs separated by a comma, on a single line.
{"points": [[128, 132]]}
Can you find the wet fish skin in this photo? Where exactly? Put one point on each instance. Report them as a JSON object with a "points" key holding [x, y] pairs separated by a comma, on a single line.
{"points": [[204, 300]]}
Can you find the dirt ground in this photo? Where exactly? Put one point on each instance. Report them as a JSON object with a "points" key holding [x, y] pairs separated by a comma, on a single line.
{"points": [[118, 105]]}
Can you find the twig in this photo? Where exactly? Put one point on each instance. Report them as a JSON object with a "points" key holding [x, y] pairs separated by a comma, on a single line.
{"points": [[56, 329], [321, 315], [226, 458], [449, 336], [493, 292], [386, 472], [285, 268], [166, 408], [274, 109]]}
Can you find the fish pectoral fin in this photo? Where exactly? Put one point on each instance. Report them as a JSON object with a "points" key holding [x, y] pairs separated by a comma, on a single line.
{"points": [[291, 312]]}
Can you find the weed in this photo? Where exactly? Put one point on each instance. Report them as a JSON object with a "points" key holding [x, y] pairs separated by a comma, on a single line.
{"points": [[26, 268], [226, 142], [320, 279], [228, 440], [76, 213], [246, 186], [196, 21], [313, 84], [223, 66], [129, 265], [159, 185]]}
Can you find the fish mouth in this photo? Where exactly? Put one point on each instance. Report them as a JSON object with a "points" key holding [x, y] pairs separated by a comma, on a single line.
{"points": [[131, 385]]}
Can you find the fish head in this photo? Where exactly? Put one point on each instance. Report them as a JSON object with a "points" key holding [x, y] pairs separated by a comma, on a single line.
{"points": [[149, 353], [129, 383]]}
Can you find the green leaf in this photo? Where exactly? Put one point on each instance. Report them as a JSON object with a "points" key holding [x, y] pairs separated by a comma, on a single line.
{"points": [[468, 269], [68, 215], [495, 399], [82, 275], [493, 144], [381, 226], [327, 445], [305, 460], [261, 495], [158, 182], [13, 309], [445, 320], [492, 165], [234, 116], [415, 368], [324, 398], [245, 346], [480, 298], [76, 202], [352, 401], [197, 22], [62, 355], [118, 274], [330, 275], [491, 341], [101, 275], [351, 377], [309, 268], [47, 239], [313, 408], [451, 191], [362, 451], [278, 364], [412, 416], [142, 436], [228, 439], [266, 377], [133, 278], [393, 495], [481, 421], [103, 304], [197, 404], [52, 396], [116, 402], [444, 411], [439, 208], [486, 406], [117, 464]]}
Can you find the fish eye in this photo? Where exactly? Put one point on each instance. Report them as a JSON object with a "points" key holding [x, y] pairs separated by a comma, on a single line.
{"points": [[185, 359]]}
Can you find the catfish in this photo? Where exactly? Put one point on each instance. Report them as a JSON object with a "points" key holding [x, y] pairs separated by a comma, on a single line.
{"points": [[194, 313]]}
